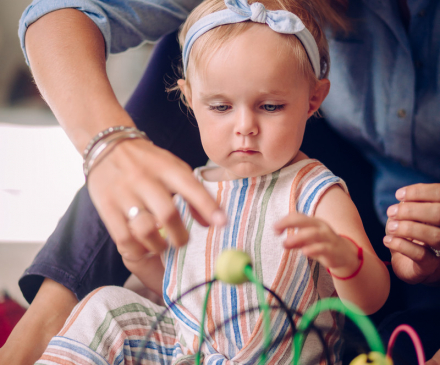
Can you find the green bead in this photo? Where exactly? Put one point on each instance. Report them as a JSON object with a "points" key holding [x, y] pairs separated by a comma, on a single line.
{"points": [[230, 267]]}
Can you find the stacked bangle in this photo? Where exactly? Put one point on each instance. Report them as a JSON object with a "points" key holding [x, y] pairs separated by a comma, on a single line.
{"points": [[105, 139], [360, 256]]}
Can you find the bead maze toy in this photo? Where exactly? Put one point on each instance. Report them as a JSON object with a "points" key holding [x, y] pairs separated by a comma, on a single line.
{"points": [[235, 267]]}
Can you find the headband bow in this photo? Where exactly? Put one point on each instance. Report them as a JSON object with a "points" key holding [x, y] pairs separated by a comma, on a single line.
{"points": [[280, 21]]}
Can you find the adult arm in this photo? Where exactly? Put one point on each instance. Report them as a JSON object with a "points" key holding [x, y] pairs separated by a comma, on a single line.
{"points": [[80, 254], [413, 230], [43, 320], [66, 53]]}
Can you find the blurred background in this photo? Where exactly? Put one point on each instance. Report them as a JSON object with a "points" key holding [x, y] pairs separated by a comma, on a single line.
{"points": [[40, 170]]}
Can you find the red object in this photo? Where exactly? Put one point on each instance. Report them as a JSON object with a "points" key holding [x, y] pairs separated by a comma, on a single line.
{"points": [[415, 339], [10, 314], [360, 256]]}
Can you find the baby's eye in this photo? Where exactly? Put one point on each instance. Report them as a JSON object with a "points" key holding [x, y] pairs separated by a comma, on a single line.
{"points": [[272, 107], [219, 108]]}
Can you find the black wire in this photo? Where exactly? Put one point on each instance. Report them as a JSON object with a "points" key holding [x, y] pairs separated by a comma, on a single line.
{"points": [[159, 319], [289, 313], [292, 312], [244, 311]]}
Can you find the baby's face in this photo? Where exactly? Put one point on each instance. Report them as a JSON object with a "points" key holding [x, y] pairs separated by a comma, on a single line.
{"points": [[251, 104]]}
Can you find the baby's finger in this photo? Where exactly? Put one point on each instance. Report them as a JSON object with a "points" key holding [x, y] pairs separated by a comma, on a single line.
{"points": [[415, 231], [302, 238], [419, 193], [294, 220], [315, 251], [421, 212]]}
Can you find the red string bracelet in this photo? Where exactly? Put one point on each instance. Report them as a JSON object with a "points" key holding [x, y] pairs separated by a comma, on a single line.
{"points": [[360, 256]]}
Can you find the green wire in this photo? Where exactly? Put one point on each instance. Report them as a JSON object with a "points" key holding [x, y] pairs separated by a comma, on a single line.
{"points": [[265, 307], [349, 310], [262, 304], [202, 323]]}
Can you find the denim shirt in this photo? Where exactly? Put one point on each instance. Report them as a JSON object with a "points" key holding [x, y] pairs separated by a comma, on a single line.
{"points": [[385, 80], [385, 92], [123, 23]]}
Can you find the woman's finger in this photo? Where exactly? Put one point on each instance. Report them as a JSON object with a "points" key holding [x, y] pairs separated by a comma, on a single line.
{"points": [[414, 231], [295, 220], [428, 213], [140, 224], [128, 246], [413, 251], [419, 193], [435, 360], [183, 182], [160, 203], [145, 229]]}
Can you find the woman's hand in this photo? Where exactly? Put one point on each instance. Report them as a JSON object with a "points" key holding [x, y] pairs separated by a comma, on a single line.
{"points": [[138, 174], [318, 240], [67, 55], [435, 359], [413, 231]]}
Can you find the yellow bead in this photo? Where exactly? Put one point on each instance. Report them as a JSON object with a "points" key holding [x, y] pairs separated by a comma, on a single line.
{"points": [[230, 266], [163, 233], [373, 358]]}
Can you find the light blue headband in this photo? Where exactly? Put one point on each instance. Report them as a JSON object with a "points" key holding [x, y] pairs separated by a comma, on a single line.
{"points": [[237, 11]]}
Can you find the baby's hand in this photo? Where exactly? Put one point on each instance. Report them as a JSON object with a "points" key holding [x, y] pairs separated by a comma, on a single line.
{"points": [[317, 240]]}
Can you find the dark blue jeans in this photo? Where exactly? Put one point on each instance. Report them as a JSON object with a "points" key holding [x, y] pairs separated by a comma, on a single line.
{"points": [[81, 255]]}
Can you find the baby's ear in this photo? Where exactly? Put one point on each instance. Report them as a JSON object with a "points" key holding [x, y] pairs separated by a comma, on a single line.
{"points": [[185, 90], [317, 95]]}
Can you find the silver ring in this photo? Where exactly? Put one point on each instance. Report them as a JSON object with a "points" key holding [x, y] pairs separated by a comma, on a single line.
{"points": [[436, 252], [133, 212]]}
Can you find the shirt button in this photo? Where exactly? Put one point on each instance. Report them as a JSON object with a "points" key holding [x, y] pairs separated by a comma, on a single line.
{"points": [[418, 64], [401, 113], [421, 13]]}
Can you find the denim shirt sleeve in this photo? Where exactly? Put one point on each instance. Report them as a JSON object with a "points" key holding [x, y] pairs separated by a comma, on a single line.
{"points": [[123, 24]]}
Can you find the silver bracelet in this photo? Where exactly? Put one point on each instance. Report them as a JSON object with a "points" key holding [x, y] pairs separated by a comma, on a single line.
{"points": [[104, 134], [104, 140]]}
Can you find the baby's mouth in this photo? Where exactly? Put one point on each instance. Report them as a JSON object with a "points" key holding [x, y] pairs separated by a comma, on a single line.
{"points": [[246, 151]]}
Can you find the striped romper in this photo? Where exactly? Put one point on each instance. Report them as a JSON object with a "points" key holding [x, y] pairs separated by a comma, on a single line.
{"points": [[110, 324]]}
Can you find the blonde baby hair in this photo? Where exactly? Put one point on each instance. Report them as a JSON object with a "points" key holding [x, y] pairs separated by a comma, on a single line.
{"points": [[315, 15]]}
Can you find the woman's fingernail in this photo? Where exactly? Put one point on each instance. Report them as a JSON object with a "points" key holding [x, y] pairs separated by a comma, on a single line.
{"points": [[219, 218], [392, 211], [392, 226], [400, 194], [387, 239]]}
